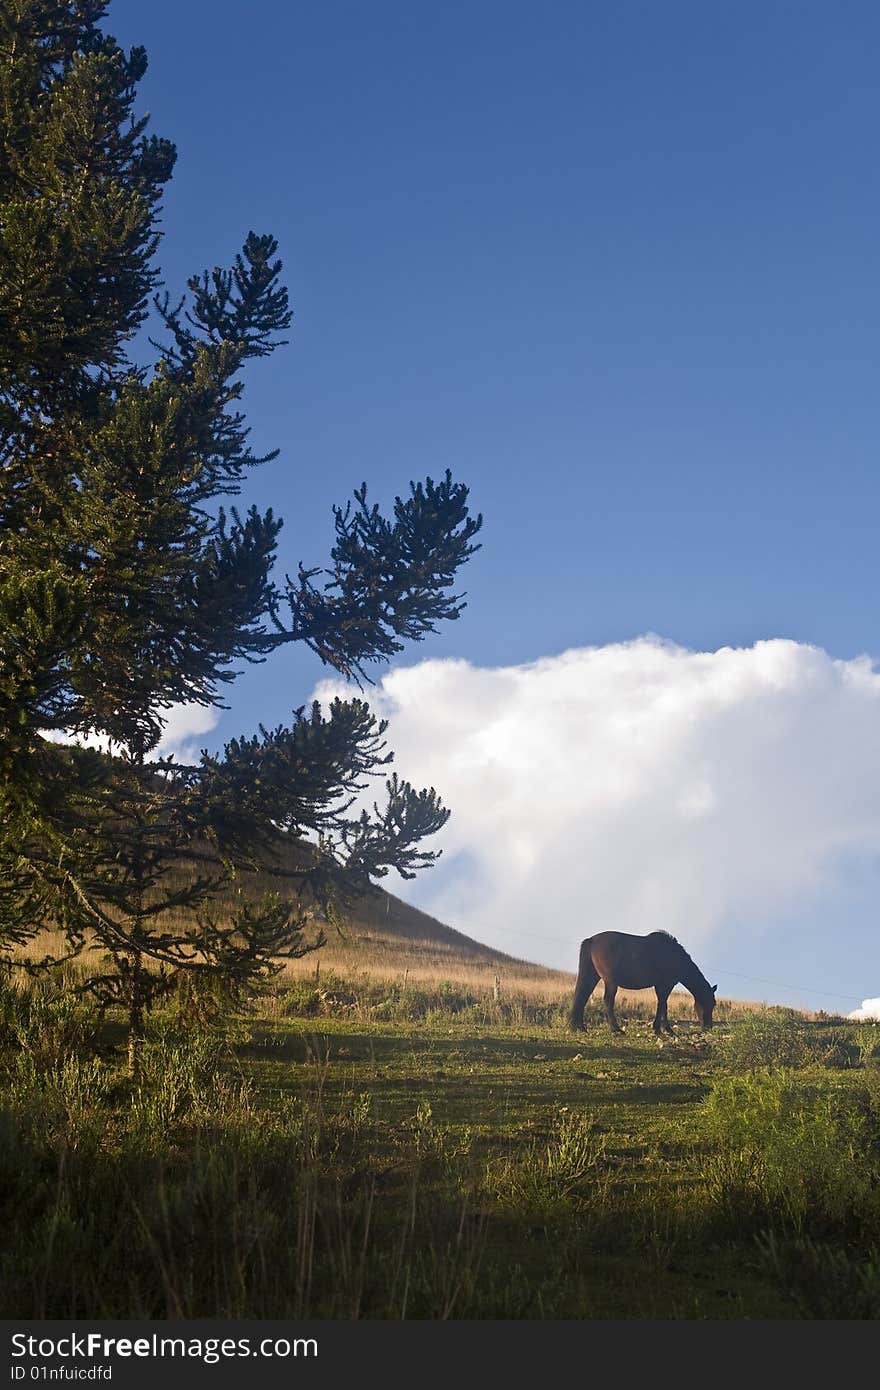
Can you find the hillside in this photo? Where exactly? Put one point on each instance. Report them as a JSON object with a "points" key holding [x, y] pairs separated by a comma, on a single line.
{"points": [[381, 938], [384, 937]]}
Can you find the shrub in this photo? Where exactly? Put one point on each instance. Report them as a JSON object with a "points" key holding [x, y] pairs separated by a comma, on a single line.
{"points": [[48, 1021], [792, 1151], [300, 999], [839, 1050], [769, 1038], [61, 1105], [867, 1040], [551, 1170], [177, 1077]]}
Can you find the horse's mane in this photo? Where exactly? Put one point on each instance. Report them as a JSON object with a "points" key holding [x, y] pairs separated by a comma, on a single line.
{"points": [[667, 935], [673, 941]]}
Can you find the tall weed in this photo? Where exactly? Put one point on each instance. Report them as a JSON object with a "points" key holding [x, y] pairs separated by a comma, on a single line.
{"points": [[558, 1169]]}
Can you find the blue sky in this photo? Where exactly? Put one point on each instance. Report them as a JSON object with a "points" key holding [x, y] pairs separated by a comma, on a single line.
{"points": [[614, 264]]}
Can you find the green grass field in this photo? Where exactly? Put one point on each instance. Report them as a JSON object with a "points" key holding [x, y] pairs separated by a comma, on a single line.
{"points": [[433, 1153]]}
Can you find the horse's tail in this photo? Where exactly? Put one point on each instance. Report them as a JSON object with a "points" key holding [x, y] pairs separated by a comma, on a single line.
{"points": [[588, 978]]}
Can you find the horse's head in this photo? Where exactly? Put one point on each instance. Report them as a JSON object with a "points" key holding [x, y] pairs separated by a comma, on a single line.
{"points": [[704, 1004]]}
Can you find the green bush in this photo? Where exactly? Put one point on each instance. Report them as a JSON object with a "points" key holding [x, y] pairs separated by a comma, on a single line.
{"points": [[61, 1105], [46, 1020], [769, 1038], [839, 1049], [300, 999], [553, 1170], [179, 1076], [867, 1039], [792, 1151]]}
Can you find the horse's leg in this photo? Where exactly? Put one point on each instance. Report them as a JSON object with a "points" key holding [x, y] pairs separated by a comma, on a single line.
{"points": [[588, 978], [658, 1017], [661, 1018], [666, 1024], [610, 992]]}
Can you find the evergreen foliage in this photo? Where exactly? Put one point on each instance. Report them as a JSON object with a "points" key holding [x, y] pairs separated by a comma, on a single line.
{"points": [[127, 587]]}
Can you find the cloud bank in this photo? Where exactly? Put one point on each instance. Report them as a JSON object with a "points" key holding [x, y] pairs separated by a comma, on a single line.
{"points": [[637, 786], [868, 1013], [183, 726], [180, 739]]}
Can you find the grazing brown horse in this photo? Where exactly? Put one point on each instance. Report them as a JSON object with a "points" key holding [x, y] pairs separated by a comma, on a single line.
{"points": [[657, 961]]}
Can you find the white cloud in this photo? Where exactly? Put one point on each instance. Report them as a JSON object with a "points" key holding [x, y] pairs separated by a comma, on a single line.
{"points": [[868, 1013], [637, 786], [183, 724]]}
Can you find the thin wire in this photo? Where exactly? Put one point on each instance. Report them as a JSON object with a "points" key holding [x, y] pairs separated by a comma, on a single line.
{"points": [[759, 979]]}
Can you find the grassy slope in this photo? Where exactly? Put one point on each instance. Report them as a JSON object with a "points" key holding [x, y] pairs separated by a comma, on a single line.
{"points": [[388, 1138], [589, 1223], [542, 1174], [457, 1159]]}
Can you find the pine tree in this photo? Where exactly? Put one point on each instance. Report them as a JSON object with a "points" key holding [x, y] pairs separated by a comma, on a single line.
{"points": [[130, 584]]}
